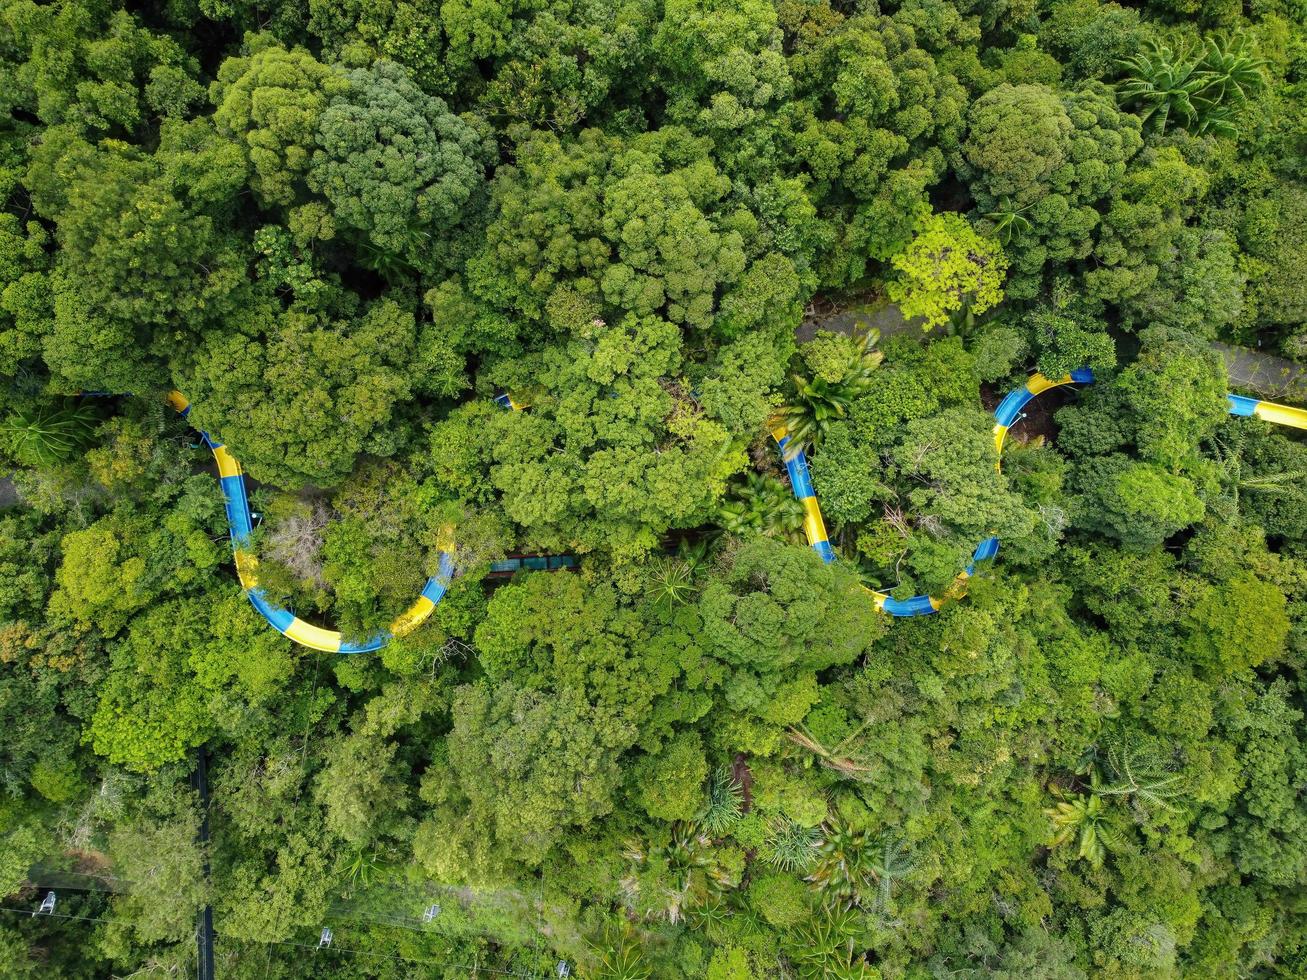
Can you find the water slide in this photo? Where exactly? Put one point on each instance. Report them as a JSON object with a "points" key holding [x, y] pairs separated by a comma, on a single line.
{"points": [[1267, 411], [240, 522], [1008, 413], [240, 525]]}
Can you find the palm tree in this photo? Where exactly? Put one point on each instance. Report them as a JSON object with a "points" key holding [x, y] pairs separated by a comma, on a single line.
{"points": [[762, 505], [1086, 820], [46, 436], [1197, 90], [1280, 483], [815, 405], [1163, 83], [1236, 73], [838, 758], [823, 399]]}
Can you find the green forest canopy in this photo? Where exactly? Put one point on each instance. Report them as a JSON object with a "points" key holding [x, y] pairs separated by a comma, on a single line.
{"points": [[341, 228]]}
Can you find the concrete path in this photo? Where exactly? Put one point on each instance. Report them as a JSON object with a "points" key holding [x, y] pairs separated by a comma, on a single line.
{"points": [[884, 316], [1274, 378]]}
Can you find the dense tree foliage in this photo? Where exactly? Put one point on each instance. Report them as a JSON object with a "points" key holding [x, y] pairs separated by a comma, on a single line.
{"points": [[670, 232]]}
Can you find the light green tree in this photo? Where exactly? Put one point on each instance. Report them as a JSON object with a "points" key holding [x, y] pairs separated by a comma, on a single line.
{"points": [[947, 271]]}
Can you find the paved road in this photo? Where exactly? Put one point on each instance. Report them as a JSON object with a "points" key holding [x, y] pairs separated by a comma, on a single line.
{"points": [[885, 317]]}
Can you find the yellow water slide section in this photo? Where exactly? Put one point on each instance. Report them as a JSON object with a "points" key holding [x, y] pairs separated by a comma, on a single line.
{"points": [[813, 525], [413, 617], [1295, 418], [247, 567]]}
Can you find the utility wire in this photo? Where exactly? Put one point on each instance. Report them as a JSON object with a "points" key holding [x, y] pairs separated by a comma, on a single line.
{"points": [[61, 915], [475, 968], [220, 938]]}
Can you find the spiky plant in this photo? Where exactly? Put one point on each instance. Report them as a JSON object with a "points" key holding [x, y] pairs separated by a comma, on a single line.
{"points": [[824, 947], [46, 436], [845, 868], [360, 868], [667, 880], [712, 914], [671, 583], [725, 802], [791, 846], [762, 505], [618, 956]]}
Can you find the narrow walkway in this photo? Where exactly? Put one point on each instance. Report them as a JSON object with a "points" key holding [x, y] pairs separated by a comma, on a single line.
{"points": [[1275, 378]]}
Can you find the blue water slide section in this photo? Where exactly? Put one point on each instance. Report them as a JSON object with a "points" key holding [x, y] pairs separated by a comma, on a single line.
{"points": [[368, 646], [918, 605], [824, 549], [985, 551], [800, 478], [238, 509], [1240, 405], [278, 617], [1011, 405], [1083, 376]]}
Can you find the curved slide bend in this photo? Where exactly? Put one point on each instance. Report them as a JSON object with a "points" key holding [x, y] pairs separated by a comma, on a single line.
{"points": [[240, 525], [1006, 415]]}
